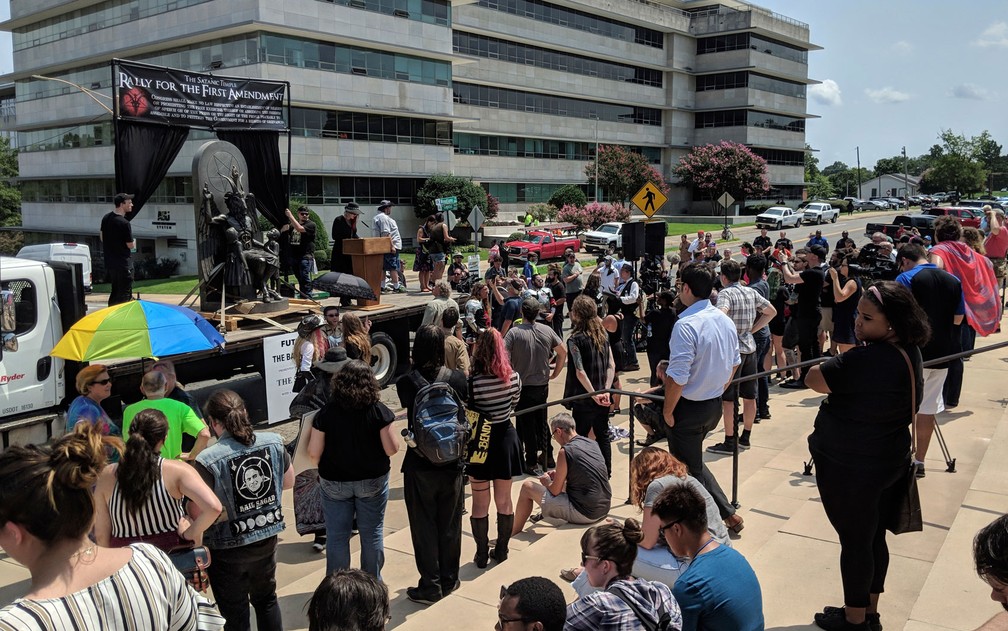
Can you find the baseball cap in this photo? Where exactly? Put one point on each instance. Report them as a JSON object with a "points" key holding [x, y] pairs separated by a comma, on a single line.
{"points": [[384, 204], [120, 198]]}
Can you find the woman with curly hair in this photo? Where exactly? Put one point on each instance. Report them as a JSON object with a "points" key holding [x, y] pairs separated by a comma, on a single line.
{"points": [[309, 347], [140, 498], [608, 552], [494, 390], [475, 311], [352, 440], [357, 337], [590, 368], [861, 442], [46, 513]]}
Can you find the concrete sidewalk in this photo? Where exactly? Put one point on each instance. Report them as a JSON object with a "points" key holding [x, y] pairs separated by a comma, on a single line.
{"points": [[787, 537]]}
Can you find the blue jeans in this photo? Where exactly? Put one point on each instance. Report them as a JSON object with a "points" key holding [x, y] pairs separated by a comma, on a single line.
{"points": [[304, 277], [340, 502]]}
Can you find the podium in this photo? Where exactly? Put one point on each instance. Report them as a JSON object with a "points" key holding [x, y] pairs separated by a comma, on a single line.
{"points": [[367, 255]]}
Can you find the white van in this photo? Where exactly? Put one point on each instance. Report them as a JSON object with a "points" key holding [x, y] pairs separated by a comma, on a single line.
{"points": [[67, 252]]}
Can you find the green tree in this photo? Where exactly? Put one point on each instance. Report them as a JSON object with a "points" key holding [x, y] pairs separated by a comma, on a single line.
{"points": [[887, 166], [726, 167], [820, 187], [986, 151], [448, 185], [569, 195], [621, 173], [836, 167], [811, 164], [10, 195], [954, 165]]}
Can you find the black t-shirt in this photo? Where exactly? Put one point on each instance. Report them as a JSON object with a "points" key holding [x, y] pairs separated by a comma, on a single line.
{"points": [[511, 310], [939, 294], [809, 291], [784, 244], [558, 291], [116, 233], [661, 321], [827, 299], [353, 448], [436, 245], [865, 420], [302, 244], [761, 242], [407, 387]]}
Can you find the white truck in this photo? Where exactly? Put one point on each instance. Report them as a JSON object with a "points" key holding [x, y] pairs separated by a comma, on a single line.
{"points": [[820, 212], [605, 239], [40, 301], [67, 252]]}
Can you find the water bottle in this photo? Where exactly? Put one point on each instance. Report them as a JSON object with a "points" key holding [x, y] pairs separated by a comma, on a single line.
{"points": [[408, 437]]}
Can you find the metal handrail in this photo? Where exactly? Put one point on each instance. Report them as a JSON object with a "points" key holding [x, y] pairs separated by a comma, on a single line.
{"points": [[737, 380]]}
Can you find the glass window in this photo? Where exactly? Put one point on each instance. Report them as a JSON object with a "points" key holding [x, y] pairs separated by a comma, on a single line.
{"points": [[580, 20], [25, 304], [501, 98]]}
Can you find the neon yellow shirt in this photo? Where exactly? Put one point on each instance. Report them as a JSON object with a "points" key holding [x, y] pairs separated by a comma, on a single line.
{"points": [[181, 419]]}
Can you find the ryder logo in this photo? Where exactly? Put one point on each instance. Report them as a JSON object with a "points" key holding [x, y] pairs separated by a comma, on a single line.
{"points": [[6, 379]]}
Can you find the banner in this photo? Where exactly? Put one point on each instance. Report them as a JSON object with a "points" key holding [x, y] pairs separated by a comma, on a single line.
{"points": [[279, 375], [192, 99]]}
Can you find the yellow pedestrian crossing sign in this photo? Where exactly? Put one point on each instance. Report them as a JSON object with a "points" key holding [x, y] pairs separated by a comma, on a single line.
{"points": [[649, 199]]}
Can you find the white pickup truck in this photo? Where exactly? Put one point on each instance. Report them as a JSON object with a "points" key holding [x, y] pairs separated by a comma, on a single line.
{"points": [[820, 212], [605, 239]]}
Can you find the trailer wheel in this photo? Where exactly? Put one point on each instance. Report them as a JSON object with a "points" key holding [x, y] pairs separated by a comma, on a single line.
{"points": [[384, 358]]}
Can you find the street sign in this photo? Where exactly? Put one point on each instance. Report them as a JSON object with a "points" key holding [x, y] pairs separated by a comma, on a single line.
{"points": [[649, 199], [476, 218], [726, 200], [446, 204]]}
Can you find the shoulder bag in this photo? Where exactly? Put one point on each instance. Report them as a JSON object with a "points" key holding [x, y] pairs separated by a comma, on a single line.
{"points": [[192, 564], [906, 509]]}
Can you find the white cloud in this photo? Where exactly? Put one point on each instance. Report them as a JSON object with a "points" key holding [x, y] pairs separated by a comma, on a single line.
{"points": [[887, 95], [970, 91], [902, 47], [826, 93], [995, 35]]}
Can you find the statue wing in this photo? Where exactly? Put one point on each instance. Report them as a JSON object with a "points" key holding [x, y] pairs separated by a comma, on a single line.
{"points": [[208, 237]]}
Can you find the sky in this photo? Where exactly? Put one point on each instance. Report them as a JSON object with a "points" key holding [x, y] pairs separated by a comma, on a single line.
{"points": [[894, 73]]}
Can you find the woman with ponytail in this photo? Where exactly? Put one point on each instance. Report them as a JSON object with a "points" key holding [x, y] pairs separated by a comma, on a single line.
{"points": [[46, 512], [140, 498]]}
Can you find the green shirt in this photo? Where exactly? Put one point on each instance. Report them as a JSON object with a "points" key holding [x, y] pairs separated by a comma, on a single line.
{"points": [[181, 419]]}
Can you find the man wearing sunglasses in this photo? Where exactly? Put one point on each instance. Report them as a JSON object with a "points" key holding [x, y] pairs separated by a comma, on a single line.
{"points": [[534, 604]]}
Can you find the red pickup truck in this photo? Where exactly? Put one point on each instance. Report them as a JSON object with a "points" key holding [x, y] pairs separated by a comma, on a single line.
{"points": [[968, 217], [545, 243]]}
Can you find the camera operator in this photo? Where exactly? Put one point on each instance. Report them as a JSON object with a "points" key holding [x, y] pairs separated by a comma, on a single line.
{"points": [[846, 288], [629, 294], [808, 281]]}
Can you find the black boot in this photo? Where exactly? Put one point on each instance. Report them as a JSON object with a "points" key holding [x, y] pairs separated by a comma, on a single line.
{"points": [[504, 525], [481, 534]]}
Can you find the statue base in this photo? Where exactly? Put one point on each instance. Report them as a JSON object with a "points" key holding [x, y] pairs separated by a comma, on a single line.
{"points": [[248, 307]]}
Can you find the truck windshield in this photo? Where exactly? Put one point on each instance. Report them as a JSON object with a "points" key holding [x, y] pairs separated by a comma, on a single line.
{"points": [[537, 239], [608, 228]]}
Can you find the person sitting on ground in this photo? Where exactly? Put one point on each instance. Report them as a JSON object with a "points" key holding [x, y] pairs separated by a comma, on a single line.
{"points": [[349, 599], [181, 418], [536, 602], [719, 589], [608, 552], [990, 556], [578, 490]]}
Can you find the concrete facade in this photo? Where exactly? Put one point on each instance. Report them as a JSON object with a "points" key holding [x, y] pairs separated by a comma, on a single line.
{"points": [[584, 72]]}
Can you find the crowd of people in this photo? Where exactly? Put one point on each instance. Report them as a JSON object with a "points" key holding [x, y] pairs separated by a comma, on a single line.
{"points": [[490, 355]]}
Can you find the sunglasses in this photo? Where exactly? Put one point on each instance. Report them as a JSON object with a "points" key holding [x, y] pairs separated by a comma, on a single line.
{"points": [[102, 382], [585, 557], [663, 527]]}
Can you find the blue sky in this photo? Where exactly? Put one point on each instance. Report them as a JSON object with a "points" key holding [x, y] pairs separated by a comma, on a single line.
{"points": [[894, 72]]}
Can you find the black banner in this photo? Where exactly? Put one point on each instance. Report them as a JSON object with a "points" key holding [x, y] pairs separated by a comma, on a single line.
{"points": [[192, 99]]}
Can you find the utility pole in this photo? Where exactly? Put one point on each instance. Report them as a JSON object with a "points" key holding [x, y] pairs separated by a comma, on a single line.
{"points": [[858, 149], [906, 179], [596, 117]]}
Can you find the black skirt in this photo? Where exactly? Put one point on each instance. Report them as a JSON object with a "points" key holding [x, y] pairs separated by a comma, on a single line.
{"points": [[504, 460]]}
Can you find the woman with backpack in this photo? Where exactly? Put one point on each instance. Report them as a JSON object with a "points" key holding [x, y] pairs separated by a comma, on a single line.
{"points": [[352, 440], [494, 390], [433, 492]]}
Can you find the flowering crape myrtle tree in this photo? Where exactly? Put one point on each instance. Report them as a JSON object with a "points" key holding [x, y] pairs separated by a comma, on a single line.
{"points": [[622, 173], [592, 215], [726, 167]]}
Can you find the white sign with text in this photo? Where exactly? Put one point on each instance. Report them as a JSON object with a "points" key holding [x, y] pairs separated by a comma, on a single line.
{"points": [[278, 375]]}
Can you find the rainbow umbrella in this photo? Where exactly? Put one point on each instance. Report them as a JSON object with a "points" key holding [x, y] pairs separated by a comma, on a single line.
{"points": [[138, 328]]}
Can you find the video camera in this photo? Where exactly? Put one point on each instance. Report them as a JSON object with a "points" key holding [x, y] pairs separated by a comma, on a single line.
{"points": [[871, 263]]}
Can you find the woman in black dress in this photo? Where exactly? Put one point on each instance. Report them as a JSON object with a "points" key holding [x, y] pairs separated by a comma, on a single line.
{"points": [[613, 323], [590, 368], [861, 442], [846, 293]]}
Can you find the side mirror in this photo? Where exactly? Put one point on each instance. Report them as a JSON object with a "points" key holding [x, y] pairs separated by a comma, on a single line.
{"points": [[10, 342], [8, 321]]}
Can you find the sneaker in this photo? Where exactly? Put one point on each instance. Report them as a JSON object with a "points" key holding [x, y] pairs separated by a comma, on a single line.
{"points": [[319, 545], [413, 593], [743, 443], [401, 289], [764, 415], [920, 473], [727, 447], [457, 584], [797, 384], [833, 619]]}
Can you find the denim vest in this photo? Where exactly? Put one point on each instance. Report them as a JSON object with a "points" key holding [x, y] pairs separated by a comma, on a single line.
{"points": [[249, 483]]}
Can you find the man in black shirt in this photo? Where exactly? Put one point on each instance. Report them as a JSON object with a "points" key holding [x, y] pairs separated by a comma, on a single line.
{"points": [[343, 227], [117, 246], [301, 247], [783, 243], [762, 242], [844, 242], [558, 296], [808, 278], [940, 296]]}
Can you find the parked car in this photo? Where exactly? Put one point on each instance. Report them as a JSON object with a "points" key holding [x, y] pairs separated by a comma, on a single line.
{"points": [[883, 202], [547, 244], [968, 217], [896, 202], [820, 212], [777, 217], [902, 224], [605, 239]]}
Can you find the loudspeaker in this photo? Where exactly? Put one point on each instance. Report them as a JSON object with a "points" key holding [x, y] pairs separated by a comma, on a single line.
{"points": [[654, 238], [633, 240]]}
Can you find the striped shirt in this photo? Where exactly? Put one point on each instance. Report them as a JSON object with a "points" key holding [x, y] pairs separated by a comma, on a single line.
{"points": [[146, 594], [494, 397], [161, 513]]}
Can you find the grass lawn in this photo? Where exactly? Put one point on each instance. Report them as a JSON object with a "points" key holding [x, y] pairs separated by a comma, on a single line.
{"points": [[690, 229], [179, 285]]}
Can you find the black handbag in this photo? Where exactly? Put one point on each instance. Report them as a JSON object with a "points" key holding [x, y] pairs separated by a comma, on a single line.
{"points": [[192, 563], [906, 510]]}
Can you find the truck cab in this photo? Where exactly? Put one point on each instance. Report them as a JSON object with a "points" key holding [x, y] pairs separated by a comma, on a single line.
{"points": [[605, 239]]}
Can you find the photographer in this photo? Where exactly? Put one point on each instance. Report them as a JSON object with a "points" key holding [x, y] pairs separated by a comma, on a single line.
{"points": [[846, 289], [808, 279]]}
